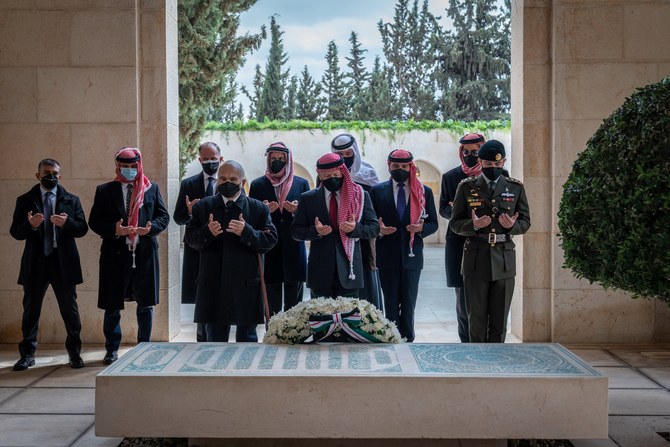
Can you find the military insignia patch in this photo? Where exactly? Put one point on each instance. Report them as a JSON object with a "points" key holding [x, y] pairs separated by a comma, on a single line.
{"points": [[498, 157]]}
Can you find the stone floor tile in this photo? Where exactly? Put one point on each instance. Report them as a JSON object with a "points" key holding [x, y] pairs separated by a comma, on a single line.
{"points": [[6, 393], [483, 443], [28, 430], [11, 378], [596, 357], [644, 357], [623, 377], [661, 375], [639, 402], [66, 377], [51, 401], [639, 431], [593, 443], [89, 439]]}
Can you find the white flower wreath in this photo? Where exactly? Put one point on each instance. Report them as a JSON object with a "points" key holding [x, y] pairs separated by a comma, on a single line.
{"points": [[292, 327]]}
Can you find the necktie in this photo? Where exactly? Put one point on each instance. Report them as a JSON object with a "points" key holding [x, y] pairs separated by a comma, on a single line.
{"points": [[210, 187], [401, 203], [129, 195], [230, 203], [332, 212], [492, 187], [48, 226]]}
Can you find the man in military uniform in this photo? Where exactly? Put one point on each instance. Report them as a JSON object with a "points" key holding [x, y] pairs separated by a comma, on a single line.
{"points": [[489, 210]]}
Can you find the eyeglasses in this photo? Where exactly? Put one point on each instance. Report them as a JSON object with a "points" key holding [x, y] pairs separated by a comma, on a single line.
{"points": [[466, 152]]}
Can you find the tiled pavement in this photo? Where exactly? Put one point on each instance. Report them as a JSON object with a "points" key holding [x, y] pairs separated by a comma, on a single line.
{"points": [[53, 405]]}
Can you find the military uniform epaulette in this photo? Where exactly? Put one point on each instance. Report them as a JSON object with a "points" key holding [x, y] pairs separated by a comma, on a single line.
{"points": [[513, 180], [468, 179]]}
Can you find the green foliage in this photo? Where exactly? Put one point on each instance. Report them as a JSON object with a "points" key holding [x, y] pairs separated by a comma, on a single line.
{"points": [[473, 61], [358, 77], [409, 51], [271, 103], [310, 104], [615, 209], [334, 86], [455, 127], [210, 53]]}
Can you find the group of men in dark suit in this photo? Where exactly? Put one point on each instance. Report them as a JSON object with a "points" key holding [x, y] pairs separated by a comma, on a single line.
{"points": [[127, 213]]}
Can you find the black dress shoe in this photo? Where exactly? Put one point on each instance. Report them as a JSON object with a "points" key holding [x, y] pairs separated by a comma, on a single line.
{"points": [[24, 363], [76, 362], [110, 358]]}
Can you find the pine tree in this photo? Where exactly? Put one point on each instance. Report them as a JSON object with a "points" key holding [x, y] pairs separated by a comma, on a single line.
{"points": [[358, 77], [309, 101], [271, 104], [408, 47], [209, 52], [334, 86], [474, 61], [229, 111]]}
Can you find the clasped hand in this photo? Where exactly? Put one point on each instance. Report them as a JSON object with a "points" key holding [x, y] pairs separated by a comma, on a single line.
{"points": [[122, 230], [504, 220]]}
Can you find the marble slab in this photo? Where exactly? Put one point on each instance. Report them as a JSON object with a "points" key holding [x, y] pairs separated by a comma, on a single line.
{"points": [[402, 391]]}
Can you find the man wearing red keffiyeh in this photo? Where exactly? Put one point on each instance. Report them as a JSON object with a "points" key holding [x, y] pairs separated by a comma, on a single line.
{"points": [[468, 152], [128, 213], [286, 263], [406, 211], [334, 217]]}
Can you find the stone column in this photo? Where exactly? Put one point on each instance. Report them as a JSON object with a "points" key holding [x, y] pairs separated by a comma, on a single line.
{"points": [[80, 80]]}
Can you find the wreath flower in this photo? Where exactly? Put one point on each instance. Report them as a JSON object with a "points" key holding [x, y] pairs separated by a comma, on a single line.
{"points": [[292, 327]]}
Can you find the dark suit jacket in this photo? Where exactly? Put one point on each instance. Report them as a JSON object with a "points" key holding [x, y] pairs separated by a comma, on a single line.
{"points": [[286, 261], [480, 259], [454, 242], [393, 249], [33, 259], [194, 188], [327, 253], [228, 290], [115, 258]]}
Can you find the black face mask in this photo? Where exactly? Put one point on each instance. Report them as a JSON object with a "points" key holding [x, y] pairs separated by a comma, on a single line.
{"points": [[333, 184], [277, 165], [348, 162], [49, 181], [210, 167], [470, 160], [492, 173], [399, 175], [228, 189]]}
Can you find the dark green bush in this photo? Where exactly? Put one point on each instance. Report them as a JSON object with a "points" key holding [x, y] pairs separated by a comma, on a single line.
{"points": [[614, 217]]}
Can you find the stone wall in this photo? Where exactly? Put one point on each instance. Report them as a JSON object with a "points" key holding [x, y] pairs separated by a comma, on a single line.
{"points": [[79, 80], [573, 64]]}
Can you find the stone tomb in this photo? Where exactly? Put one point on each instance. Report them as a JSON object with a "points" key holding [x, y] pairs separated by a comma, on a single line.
{"points": [[403, 391]]}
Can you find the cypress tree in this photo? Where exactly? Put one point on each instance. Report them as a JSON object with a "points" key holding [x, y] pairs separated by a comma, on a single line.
{"points": [[309, 101], [377, 103], [290, 108], [209, 52], [358, 77], [254, 98], [271, 104], [334, 86]]}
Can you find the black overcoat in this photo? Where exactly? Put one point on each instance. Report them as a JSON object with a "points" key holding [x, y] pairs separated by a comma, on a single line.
{"points": [[194, 188], [32, 261], [286, 261], [228, 290], [115, 258]]}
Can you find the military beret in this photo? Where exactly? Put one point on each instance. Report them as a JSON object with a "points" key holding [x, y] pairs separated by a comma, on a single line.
{"points": [[492, 150]]}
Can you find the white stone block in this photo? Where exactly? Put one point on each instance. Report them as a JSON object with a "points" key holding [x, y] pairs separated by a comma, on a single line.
{"points": [[406, 391]]}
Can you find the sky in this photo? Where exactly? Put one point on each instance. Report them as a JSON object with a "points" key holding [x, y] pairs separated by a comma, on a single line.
{"points": [[309, 25]]}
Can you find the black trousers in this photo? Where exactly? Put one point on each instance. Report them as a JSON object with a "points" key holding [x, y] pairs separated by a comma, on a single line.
{"points": [[488, 304], [401, 288], [462, 315], [66, 296], [292, 295], [218, 332], [334, 290]]}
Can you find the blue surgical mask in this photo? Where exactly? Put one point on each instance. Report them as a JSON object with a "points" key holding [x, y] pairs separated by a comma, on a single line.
{"points": [[129, 173]]}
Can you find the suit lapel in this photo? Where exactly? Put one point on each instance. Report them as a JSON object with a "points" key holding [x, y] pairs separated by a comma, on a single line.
{"points": [[321, 204], [391, 200], [117, 197], [36, 195], [199, 186]]}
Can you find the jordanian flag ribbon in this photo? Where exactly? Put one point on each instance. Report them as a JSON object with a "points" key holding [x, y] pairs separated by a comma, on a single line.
{"points": [[349, 322]]}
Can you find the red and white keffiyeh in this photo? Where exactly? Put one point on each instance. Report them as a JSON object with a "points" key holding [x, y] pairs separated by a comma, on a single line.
{"points": [[417, 195], [282, 180], [141, 184]]}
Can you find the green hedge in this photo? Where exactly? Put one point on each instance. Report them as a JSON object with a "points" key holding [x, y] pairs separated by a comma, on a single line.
{"points": [[614, 216]]}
